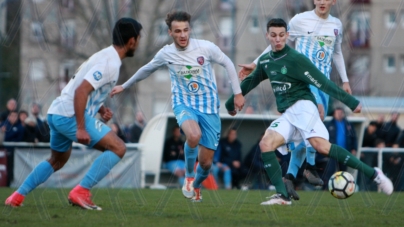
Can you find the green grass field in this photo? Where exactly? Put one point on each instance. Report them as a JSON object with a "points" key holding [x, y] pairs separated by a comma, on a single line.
{"points": [[145, 207]]}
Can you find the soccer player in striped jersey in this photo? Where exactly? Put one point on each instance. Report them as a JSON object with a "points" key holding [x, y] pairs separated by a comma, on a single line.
{"points": [[71, 117], [318, 36], [195, 101]]}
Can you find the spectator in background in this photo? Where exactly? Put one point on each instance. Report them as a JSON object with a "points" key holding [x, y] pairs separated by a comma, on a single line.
{"points": [[390, 131], [230, 156], [115, 128], [173, 155], [13, 132], [42, 126], [392, 164], [11, 106], [379, 123], [12, 128], [370, 135], [136, 129], [31, 133], [22, 115]]}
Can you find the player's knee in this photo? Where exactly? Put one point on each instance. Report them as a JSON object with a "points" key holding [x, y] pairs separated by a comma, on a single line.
{"points": [[57, 163], [193, 139], [267, 145], [205, 165], [120, 149], [320, 145]]}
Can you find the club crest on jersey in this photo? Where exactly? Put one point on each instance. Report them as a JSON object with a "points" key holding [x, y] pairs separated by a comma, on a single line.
{"points": [[320, 55], [193, 86], [284, 70], [200, 60], [97, 75], [336, 32]]}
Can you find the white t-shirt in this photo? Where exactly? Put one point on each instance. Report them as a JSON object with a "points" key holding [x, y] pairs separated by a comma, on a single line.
{"points": [[318, 39], [193, 81], [101, 70]]}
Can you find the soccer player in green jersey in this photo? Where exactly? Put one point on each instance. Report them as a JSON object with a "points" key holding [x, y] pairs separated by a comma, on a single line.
{"points": [[290, 74]]}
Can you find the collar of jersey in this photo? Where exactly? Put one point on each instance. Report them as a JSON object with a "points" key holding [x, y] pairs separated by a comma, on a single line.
{"points": [[280, 53]]}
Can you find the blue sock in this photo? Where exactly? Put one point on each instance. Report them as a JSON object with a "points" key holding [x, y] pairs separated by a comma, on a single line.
{"points": [[100, 168], [190, 159], [38, 175], [311, 156], [201, 175], [181, 180], [296, 159], [227, 178]]}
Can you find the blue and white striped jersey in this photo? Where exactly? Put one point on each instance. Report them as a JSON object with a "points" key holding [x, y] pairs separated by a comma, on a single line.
{"points": [[316, 38], [193, 81], [101, 70]]}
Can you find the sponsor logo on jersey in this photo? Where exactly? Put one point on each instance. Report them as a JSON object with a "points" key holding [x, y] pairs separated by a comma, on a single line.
{"points": [[284, 70], [97, 75], [189, 71], [193, 86], [200, 60], [264, 61], [336, 32], [320, 55], [273, 72], [280, 87], [307, 74], [325, 40]]}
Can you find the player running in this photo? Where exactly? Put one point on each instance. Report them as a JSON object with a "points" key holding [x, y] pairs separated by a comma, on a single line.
{"points": [[71, 117], [195, 100], [318, 36], [290, 73]]}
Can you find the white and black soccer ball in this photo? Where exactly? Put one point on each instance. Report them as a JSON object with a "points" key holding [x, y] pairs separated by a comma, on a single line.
{"points": [[341, 185]]}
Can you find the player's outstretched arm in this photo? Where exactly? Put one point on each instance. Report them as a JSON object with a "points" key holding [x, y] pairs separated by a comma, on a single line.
{"points": [[339, 62], [310, 74], [80, 102]]}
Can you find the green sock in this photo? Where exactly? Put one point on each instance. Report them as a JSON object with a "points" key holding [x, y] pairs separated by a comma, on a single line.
{"points": [[274, 172], [343, 156]]}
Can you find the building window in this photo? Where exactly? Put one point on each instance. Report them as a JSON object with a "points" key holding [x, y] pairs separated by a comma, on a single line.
{"points": [[37, 70], [389, 64], [37, 33], [390, 19], [402, 63], [254, 27], [68, 33], [66, 72], [359, 29], [225, 26], [359, 73], [226, 5], [161, 31], [67, 4]]}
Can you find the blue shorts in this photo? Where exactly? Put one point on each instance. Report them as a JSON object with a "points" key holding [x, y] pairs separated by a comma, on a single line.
{"points": [[175, 164], [210, 124], [63, 131], [321, 98]]}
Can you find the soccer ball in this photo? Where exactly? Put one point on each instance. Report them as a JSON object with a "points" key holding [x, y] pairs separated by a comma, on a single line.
{"points": [[341, 185]]}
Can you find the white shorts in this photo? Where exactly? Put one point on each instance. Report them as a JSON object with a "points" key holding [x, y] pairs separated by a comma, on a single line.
{"points": [[299, 122]]}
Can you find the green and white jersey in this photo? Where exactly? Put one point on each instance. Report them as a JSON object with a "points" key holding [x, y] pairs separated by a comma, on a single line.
{"points": [[316, 38], [290, 74]]}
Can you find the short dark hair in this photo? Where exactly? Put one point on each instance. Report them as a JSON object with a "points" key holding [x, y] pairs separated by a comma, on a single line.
{"points": [[125, 29], [374, 123], [177, 16], [277, 22]]}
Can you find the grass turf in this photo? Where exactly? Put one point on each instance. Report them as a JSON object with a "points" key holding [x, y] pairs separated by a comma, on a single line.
{"points": [[145, 207]]}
